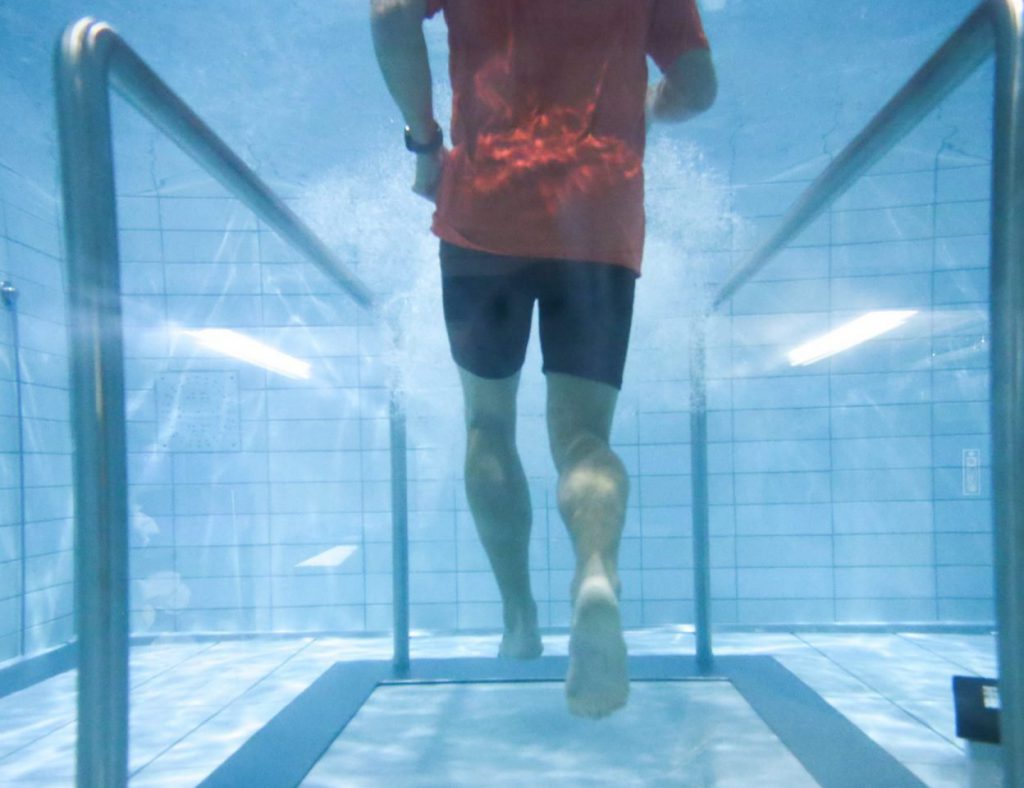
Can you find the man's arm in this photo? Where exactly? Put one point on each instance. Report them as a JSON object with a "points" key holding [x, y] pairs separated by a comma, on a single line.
{"points": [[688, 88], [397, 27]]}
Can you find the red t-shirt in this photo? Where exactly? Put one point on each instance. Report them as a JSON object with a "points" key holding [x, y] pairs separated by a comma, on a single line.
{"points": [[548, 122]]}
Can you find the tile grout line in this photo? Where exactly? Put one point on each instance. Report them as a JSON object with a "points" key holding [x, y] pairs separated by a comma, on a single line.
{"points": [[219, 711], [73, 720], [923, 647], [912, 715]]}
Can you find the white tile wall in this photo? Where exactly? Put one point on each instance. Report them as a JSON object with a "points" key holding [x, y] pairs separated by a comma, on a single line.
{"points": [[43, 565], [823, 478]]}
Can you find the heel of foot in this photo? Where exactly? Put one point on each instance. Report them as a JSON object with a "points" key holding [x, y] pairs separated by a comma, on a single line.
{"points": [[595, 591], [598, 679], [520, 645], [521, 638]]}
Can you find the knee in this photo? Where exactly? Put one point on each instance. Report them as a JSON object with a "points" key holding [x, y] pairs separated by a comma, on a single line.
{"points": [[489, 447]]}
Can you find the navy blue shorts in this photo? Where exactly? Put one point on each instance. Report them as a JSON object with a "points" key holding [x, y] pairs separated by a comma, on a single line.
{"points": [[585, 313]]}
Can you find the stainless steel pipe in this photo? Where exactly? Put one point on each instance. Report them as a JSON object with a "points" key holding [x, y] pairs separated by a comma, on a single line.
{"points": [[97, 402], [700, 503], [90, 59], [998, 25], [955, 60], [1007, 362], [399, 536]]}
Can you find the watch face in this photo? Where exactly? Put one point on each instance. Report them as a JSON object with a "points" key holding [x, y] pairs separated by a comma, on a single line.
{"points": [[424, 147]]}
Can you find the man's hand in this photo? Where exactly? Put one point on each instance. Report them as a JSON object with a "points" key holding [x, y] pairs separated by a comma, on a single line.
{"points": [[429, 167], [687, 89]]}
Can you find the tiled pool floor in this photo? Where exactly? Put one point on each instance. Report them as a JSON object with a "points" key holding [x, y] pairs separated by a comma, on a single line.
{"points": [[671, 733], [195, 703]]}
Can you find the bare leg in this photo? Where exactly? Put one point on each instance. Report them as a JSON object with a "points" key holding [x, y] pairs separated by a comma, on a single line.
{"points": [[592, 491], [500, 501]]}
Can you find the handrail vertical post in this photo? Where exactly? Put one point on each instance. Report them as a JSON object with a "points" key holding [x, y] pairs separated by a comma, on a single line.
{"points": [[699, 487], [98, 416], [9, 297], [1007, 377], [399, 534], [90, 59]]}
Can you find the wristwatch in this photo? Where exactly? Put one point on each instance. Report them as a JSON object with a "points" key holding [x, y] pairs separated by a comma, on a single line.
{"points": [[431, 146]]}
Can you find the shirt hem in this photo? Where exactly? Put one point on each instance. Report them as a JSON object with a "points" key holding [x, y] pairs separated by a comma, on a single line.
{"points": [[539, 251]]}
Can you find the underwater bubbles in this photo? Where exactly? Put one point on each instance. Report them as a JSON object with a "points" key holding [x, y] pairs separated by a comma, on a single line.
{"points": [[369, 216], [691, 230]]}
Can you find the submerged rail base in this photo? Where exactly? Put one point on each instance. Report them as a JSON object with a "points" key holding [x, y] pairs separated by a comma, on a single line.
{"points": [[998, 25], [98, 412], [92, 57], [1007, 286], [399, 535]]}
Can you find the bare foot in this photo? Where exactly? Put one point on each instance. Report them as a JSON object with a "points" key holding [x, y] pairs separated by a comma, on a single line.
{"points": [[598, 680], [521, 639], [520, 645]]}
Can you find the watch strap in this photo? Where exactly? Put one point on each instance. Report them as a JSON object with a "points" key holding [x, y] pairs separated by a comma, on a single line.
{"points": [[430, 146]]}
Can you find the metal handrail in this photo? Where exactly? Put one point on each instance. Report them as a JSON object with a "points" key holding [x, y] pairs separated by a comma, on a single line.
{"points": [[994, 25], [90, 59], [92, 46], [954, 61], [9, 298]]}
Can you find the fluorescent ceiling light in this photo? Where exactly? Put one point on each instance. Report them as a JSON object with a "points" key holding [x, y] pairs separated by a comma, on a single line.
{"points": [[332, 557], [245, 348], [847, 336]]}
